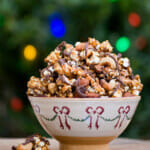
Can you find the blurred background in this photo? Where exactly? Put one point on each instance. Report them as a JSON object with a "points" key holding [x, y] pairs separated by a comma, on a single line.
{"points": [[30, 29]]}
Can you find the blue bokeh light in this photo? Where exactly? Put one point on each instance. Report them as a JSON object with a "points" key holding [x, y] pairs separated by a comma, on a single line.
{"points": [[57, 26]]}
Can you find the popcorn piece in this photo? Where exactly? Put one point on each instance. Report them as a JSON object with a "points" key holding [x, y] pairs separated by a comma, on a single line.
{"points": [[35, 87], [33, 142], [94, 59], [74, 55], [125, 62], [118, 93], [93, 42], [52, 88], [53, 57], [106, 46]]}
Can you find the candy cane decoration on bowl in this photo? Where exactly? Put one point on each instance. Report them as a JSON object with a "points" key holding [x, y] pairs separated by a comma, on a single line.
{"points": [[123, 111], [64, 110], [98, 111]]}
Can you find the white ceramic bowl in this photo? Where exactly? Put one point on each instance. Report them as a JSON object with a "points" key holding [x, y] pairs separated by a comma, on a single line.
{"points": [[84, 123]]}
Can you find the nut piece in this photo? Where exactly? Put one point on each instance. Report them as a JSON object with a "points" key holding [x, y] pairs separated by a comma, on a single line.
{"points": [[25, 147], [128, 94], [107, 61], [84, 82], [108, 86], [80, 46], [99, 68], [92, 95], [52, 88]]}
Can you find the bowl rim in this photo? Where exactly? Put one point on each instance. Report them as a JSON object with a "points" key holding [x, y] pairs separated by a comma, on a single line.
{"points": [[134, 98]]}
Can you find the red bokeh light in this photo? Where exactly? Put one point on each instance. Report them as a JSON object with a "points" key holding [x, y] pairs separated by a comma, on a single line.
{"points": [[16, 104], [134, 19], [141, 42]]}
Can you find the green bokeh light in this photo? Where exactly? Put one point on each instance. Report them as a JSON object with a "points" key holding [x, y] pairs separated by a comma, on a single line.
{"points": [[122, 44]]}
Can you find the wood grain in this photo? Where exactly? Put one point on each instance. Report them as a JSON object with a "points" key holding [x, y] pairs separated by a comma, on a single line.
{"points": [[117, 144]]}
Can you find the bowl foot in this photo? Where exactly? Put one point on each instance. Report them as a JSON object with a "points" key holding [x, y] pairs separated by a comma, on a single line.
{"points": [[83, 147], [84, 143]]}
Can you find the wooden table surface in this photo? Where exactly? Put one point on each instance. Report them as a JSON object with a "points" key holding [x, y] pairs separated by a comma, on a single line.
{"points": [[118, 144]]}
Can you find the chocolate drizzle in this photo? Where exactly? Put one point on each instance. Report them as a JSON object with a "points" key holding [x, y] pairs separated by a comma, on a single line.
{"points": [[86, 49], [120, 81], [80, 89], [61, 61], [63, 79], [31, 139], [115, 90], [68, 53], [61, 45], [119, 55]]}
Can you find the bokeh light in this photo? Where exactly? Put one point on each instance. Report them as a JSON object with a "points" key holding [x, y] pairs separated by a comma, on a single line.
{"points": [[30, 52], [122, 44], [16, 104], [141, 42], [134, 19], [57, 26]]}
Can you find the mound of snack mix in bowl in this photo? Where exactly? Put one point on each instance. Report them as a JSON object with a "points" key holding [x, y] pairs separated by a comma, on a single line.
{"points": [[34, 142], [88, 69]]}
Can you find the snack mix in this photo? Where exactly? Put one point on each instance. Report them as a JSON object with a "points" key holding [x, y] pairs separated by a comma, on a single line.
{"points": [[88, 69], [34, 142]]}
